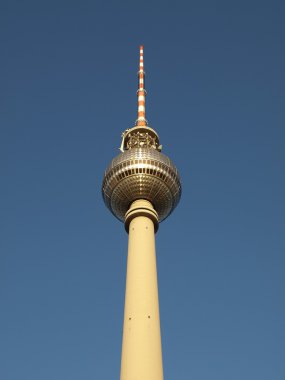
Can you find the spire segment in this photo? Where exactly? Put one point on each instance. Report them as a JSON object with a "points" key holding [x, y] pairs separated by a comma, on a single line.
{"points": [[141, 120]]}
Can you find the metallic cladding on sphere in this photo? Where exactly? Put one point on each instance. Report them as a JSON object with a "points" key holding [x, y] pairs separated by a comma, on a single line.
{"points": [[141, 173]]}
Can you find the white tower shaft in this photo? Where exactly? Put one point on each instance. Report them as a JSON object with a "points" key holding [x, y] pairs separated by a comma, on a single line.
{"points": [[141, 348]]}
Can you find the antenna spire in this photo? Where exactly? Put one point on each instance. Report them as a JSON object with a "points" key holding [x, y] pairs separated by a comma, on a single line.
{"points": [[141, 120]]}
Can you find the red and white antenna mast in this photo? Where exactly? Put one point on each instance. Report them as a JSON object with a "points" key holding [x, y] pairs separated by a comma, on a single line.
{"points": [[141, 135], [141, 120]]}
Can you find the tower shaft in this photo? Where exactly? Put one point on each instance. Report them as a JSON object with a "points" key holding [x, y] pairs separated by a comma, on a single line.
{"points": [[141, 348]]}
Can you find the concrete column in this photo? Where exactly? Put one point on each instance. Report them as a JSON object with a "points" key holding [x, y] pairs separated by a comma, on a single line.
{"points": [[141, 349]]}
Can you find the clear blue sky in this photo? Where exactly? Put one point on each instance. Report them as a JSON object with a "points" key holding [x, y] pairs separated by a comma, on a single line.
{"points": [[216, 84]]}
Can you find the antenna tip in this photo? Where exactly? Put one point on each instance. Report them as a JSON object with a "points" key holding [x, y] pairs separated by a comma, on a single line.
{"points": [[141, 47]]}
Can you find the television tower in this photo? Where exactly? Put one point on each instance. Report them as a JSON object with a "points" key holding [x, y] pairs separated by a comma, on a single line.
{"points": [[141, 187]]}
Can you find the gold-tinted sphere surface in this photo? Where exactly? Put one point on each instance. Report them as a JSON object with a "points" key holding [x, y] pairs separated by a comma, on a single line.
{"points": [[141, 173]]}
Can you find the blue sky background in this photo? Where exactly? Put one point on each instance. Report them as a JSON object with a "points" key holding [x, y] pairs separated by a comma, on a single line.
{"points": [[216, 84]]}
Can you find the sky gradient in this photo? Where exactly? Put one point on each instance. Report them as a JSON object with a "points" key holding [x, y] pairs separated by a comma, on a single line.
{"points": [[215, 94]]}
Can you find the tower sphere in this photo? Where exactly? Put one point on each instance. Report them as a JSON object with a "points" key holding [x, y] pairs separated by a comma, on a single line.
{"points": [[141, 173]]}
